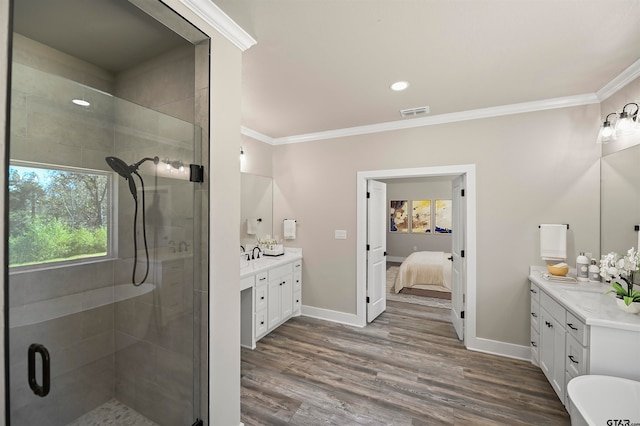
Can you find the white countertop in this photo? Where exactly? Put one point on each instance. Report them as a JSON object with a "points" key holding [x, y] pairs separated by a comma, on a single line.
{"points": [[264, 263], [587, 300]]}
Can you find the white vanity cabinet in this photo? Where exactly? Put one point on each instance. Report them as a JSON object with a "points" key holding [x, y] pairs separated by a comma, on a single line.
{"points": [[271, 293], [552, 343], [280, 296], [576, 329]]}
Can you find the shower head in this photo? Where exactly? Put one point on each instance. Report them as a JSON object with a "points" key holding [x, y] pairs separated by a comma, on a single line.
{"points": [[119, 167], [125, 171]]}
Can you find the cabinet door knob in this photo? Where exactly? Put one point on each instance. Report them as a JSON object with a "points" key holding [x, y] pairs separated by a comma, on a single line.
{"points": [[533, 344], [533, 314], [262, 298], [261, 322], [533, 291], [573, 360], [572, 327]]}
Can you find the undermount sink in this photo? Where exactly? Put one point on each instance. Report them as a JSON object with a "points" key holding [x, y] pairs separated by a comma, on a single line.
{"points": [[589, 299]]}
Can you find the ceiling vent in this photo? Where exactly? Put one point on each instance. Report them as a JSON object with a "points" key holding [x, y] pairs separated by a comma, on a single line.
{"points": [[414, 112]]}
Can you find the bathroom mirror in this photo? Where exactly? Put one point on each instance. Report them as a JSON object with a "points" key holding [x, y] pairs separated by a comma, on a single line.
{"points": [[256, 208], [619, 200]]}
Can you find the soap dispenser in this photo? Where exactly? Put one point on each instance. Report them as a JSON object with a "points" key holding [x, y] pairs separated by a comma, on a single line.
{"points": [[582, 267], [594, 271]]}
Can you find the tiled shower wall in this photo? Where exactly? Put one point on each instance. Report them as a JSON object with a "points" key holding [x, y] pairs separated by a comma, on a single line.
{"points": [[141, 348]]}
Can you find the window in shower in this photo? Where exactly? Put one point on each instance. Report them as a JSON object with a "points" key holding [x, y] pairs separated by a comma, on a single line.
{"points": [[58, 215]]}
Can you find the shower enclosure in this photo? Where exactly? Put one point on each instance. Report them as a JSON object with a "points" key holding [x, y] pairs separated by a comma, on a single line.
{"points": [[107, 281]]}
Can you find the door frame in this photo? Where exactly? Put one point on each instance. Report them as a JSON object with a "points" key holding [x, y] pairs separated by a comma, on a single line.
{"points": [[470, 250]]}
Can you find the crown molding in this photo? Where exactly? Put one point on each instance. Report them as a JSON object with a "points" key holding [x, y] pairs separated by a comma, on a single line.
{"points": [[564, 102], [256, 135], [624, 78], [221, 22]]}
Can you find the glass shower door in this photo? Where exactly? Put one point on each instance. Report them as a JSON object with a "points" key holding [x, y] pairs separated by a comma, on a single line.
{"points": [[107, 288]]}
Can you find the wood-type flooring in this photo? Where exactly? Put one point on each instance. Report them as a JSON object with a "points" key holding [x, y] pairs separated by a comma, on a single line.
{"points": [[405, 368]]}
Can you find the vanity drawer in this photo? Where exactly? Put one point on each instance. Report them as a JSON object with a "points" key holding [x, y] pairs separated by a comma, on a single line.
{"points": [[261, 297], [297, 265], [261, 278], [576, 328], [297, 301], [297, 281], [535, 293], [576, 362], [261, 323], [280, 271], [535, 315], [554, 308], [535, 345]]}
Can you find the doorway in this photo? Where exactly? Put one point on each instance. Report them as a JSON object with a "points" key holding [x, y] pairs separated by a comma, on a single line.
{"points": [[469, 225]]}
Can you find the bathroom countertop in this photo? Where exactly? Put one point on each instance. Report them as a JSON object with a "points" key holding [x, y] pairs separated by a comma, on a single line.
{"points": [[588, 301], [265, 263]]}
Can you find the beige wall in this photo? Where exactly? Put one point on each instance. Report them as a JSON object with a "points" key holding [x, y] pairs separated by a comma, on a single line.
{"points": [[532, 168]]}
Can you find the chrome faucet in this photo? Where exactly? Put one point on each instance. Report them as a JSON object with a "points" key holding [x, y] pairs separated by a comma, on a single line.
{"points": [[181, 245], [172, 246], [253, 253], [242, 250]]}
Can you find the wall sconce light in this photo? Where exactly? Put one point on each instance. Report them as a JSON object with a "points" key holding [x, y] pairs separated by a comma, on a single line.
{"points": [[627, 124], [607, 132], [175, 164]]}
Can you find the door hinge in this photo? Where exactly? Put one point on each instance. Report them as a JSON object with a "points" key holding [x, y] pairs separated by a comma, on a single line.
{"points": [[368, 194], [368, 247], [196, 173], [367, 299], [461, 253], [462, 192], [385, 253], [461, 314]]}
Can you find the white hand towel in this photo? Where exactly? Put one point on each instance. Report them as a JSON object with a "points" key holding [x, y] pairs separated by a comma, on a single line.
{"points": [[553, 241], [290, 229], [252, 226]]}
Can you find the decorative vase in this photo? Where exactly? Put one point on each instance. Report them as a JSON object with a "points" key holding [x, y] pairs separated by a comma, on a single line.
{"points": [[633, 308]]}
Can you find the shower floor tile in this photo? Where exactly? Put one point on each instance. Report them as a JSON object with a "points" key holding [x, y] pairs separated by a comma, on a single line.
{"points": [[112, 413]]}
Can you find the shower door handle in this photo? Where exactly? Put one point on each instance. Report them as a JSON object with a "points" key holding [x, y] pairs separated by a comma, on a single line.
{"points": [[40, 390]]}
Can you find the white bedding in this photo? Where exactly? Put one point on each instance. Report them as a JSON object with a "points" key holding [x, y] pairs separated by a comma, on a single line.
{"points": [[427, 269]]}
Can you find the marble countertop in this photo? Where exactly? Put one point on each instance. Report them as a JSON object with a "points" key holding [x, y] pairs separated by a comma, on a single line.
{"points": [[587, 301], [253, 267]]}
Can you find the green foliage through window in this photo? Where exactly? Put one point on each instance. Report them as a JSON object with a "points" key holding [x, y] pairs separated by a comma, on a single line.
{"points": [[56, 215]]}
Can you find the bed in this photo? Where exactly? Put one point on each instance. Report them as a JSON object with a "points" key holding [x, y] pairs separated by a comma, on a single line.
{"points": [[427, 270]]}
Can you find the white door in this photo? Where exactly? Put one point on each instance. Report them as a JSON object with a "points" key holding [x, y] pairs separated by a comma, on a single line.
{"points": [[376, 249], [458, 268]]}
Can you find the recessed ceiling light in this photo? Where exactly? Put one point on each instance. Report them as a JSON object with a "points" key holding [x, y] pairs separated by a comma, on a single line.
{"points": [[399, 86], [81, 102]]}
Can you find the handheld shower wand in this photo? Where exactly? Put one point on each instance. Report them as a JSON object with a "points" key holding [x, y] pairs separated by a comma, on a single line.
{"points": [[127, 172]]}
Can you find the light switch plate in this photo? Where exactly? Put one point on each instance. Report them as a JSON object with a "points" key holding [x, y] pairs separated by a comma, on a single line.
{"points": [[340, 234]]}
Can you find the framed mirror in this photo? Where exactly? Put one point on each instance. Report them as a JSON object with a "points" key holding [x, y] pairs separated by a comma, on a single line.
{"points": [[619, 200], [256, 208]]}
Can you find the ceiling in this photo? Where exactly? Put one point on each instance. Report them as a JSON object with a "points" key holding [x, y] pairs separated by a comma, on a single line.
{"points": [[322, 65]]}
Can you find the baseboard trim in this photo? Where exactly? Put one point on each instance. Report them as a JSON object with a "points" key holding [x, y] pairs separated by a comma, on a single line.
{"points": [[330, 315], [494, 347]]}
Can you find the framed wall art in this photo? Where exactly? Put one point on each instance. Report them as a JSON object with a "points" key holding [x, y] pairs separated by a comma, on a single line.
{"points": [[421, 216], [443, 217], [399, 216]]}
